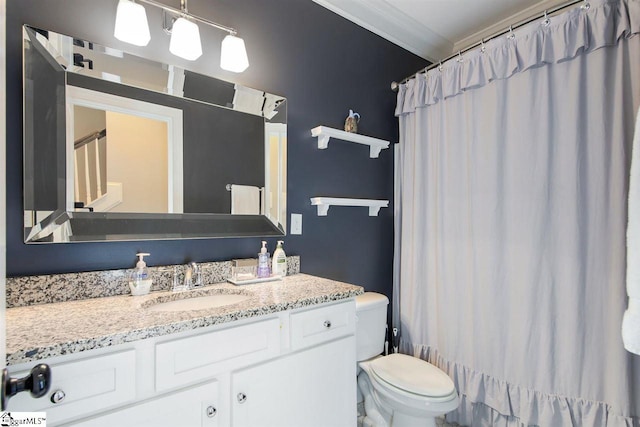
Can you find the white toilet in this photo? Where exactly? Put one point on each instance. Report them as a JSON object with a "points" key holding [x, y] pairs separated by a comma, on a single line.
{"points": [[398, 390]]}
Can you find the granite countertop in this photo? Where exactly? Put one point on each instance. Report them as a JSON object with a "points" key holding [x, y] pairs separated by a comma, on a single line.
{"points": [[47, 330]]}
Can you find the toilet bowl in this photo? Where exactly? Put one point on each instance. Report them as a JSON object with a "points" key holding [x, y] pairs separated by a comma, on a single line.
{"points": [[397, 390]]}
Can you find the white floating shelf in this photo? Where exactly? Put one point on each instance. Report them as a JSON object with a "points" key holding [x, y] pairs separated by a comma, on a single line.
{"points": [[324, 203], [324, 134]]}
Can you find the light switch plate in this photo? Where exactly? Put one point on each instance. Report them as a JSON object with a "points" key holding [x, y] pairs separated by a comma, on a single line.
{"points": [[296, 223]]}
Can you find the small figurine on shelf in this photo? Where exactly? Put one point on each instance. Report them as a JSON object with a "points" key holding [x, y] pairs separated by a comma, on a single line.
{"points": [[351, 123]]}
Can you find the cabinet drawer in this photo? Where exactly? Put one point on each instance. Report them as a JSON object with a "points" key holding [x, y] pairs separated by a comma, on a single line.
{"points": [[319, 325], [196, 406], [196, 358], [89, 385]]}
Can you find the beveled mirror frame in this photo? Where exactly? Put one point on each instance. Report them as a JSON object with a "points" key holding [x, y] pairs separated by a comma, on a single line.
{"points": [[51, 221]]}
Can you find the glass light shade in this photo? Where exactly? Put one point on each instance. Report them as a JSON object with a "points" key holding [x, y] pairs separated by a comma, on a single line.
{"points": [[185, 40], [233, 55], [131, 23]]}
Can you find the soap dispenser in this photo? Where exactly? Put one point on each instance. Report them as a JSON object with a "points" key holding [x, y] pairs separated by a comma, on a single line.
{"points": [[263, 261], [139, 279]]}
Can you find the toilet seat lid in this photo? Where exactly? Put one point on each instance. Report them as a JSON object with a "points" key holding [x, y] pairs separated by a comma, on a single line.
{"points": [[412, 375]]}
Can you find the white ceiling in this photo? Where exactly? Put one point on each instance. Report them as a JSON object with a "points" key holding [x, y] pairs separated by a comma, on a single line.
{"points": [[434, 29]]}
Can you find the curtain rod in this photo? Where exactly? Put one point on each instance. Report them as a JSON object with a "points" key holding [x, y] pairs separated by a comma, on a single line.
{"points": [[545, 15]]}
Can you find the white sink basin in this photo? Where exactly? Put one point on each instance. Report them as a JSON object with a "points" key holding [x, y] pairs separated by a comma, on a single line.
{"points": [[199, 303]]}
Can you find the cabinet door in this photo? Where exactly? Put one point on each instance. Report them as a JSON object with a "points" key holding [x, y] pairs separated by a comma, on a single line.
{"points": [[193, 407], [311, 388]]}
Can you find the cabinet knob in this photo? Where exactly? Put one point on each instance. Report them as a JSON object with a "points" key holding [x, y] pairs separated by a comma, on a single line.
{"points": [[211, 411], [58, 396], [242, 397], [37, 383], [327, 323]]}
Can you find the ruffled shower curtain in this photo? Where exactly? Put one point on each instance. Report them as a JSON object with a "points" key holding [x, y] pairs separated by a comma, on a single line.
{"points": [[512, 179]]}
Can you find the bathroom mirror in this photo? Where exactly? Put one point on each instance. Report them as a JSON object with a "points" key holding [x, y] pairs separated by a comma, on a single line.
{"points": [[117, 147]]}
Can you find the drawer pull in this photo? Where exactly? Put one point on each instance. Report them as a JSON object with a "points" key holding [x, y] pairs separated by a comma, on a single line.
{"points": [[211, 411], [327, 324], [58, 396], [242, 397]]}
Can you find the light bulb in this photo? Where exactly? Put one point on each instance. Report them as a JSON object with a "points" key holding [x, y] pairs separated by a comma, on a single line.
{"points": [[185, 40], [233, 55], [131, 23]]}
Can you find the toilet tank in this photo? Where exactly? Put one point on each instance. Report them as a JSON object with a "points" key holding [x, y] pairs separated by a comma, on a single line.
{"points": [[371, 311]]}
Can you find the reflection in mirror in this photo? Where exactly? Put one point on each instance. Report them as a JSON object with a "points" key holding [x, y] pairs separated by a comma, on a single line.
{"points": [[107, 159], [123, 147], [276, 173], [104, 165], [117, 147]]}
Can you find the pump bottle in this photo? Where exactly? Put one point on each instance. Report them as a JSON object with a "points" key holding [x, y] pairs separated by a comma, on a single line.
{"points": [[279, 263], [263, 261], [140, 280]]}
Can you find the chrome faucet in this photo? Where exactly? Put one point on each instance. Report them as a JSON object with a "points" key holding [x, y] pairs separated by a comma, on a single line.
{"points": [[192, 276], [188, 274], [198, 273]]}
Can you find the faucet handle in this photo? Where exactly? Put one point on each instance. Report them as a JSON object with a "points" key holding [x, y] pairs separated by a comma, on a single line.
{"points": [[177, 286]]}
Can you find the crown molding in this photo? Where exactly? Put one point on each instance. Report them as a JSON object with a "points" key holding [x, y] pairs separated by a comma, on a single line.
{"points": [[387, 21]]}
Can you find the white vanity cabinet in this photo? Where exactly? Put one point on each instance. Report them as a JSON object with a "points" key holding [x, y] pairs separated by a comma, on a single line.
{"points": [[311, 386], [293, 368]]}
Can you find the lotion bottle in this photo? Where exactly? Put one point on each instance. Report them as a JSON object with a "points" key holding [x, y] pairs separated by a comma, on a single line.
{"points": [[263, 261], [279, 262], [140, 280]]}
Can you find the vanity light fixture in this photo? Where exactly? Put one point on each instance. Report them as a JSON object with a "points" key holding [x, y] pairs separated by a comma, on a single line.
{"points": [[131, 23], [233, 55], [185, 39], [185, 36]]}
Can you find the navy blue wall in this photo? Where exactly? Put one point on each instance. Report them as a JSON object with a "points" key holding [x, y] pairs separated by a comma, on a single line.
{"points": [[323, 64]]}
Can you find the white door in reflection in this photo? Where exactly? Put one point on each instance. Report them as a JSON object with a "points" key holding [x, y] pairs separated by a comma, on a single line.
{"points": [[275, 168], [123, 155]]}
